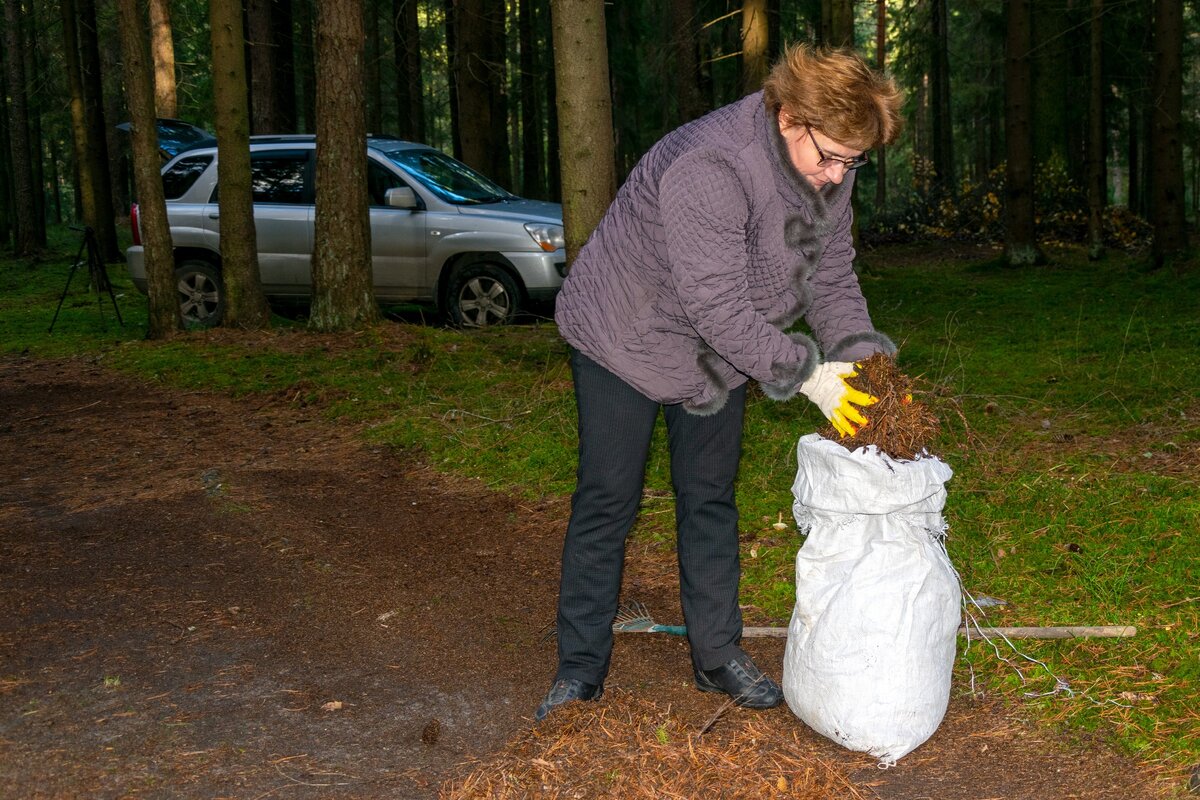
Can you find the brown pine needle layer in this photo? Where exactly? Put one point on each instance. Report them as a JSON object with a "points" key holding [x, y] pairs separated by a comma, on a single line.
{"points": [[625, 747], [899, 424]]}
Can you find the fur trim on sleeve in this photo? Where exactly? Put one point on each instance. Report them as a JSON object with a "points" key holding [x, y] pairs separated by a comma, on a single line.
{"points": [[877, 341], [788, 377]]}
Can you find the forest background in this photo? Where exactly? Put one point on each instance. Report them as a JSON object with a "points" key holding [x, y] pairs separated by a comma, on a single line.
{"points": [[1027, 122]]}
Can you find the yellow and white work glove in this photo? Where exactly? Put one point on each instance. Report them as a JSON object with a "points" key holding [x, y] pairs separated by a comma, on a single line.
{"points": [[827, 388]]}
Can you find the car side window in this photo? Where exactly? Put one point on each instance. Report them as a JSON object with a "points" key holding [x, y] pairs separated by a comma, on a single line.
{"points": [[182, 174], [278, 177], [379, 180]]}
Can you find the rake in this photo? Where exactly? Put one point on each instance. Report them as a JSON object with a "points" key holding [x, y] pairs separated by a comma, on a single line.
{"points": [[634, 617]]}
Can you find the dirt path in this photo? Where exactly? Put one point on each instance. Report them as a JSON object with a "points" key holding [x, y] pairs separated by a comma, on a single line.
{"points": [[202, 597]]}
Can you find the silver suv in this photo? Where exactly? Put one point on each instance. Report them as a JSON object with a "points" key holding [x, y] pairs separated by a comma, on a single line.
{"points": [[440, 232]]}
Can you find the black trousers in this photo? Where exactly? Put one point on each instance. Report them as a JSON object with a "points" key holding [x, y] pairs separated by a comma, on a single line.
{"points": [[615, 425]]}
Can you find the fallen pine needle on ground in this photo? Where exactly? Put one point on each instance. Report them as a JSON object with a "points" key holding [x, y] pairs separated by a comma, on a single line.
{"points": [[627, 747]]}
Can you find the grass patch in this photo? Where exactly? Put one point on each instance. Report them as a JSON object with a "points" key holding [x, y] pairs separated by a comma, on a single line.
{"points": [[1074, 496]]}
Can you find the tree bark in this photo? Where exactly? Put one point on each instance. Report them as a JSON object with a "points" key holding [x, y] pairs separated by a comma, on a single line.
{"points": [[162, 47], [479, 79], [306, 65], [584, 117], [1166, 139], [343, 297], [1096, 178], [374, 52], [84, 175], [164, 320], [283, 40], [837, 18], [880, 64], [755, 45], [939, 91], [410, 107], [93, 94], [1020, 237], [533, 134], [25, 243], [245, 304], [687, 69], [262, 72], [450, 8]]}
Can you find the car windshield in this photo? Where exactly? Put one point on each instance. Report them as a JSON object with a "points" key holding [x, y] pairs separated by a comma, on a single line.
{"points": [[451, 180]]}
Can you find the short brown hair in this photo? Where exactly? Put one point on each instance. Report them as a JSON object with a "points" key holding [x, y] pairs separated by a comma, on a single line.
{"points": [[834, 91]]}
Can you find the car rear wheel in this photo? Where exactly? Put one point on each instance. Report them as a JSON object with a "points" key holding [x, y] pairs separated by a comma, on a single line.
{"points": [[201, 294], [482, 295]]}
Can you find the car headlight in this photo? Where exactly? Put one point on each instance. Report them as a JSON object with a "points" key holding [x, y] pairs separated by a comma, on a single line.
{"points": [[548, 237]]}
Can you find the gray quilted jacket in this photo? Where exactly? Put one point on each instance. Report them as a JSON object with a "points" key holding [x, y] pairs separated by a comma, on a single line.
{"points": [[713, 247]]}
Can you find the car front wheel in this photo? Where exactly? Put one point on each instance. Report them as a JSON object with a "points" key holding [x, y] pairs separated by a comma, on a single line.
{"points": [[482, 295], [201, 294]]}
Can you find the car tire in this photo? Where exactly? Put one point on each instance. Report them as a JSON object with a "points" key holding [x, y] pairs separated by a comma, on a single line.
{"points": [[201, 293], [482, 295]]}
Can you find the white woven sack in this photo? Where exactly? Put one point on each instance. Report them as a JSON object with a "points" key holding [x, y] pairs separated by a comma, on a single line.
{"points": [[871, 643]]}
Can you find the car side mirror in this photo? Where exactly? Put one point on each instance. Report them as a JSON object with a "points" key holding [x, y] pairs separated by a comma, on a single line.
{"points": [[400, 197]]}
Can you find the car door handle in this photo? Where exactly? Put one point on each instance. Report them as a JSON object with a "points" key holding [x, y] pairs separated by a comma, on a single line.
{"points": [[214, 216]]}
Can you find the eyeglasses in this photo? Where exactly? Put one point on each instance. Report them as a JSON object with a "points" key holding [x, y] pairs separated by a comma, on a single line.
{"points": [[854, 162]]}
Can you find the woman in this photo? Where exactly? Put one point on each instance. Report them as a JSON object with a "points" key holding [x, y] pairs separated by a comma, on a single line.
{"points": [[729, 229]]}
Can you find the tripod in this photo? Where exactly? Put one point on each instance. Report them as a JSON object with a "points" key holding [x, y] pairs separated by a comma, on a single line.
{"points": [[97, 274]]}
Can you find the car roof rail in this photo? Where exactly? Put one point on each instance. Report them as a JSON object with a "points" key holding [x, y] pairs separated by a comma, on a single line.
{"points": [[282, 137]]}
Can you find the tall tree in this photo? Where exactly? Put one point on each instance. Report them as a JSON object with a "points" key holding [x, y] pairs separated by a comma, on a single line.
{"points": [[164, 320], [837, 23], [756, 56], [881, 65], [342, 295], [687, 70], [84, 154], [1097, 186], [533, 154], [410, 107], [1020, 237], [245, 304], [26, 240], [479, 69], [260, 57], [93, 94], [306, 65], [162, 48], [939, 96], [283, 40], [584, 117], [371, 65], [1166, 140]]}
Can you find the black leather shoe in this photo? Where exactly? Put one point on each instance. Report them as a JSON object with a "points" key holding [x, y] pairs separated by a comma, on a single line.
{"points": [[742, 681], [565, 690]]}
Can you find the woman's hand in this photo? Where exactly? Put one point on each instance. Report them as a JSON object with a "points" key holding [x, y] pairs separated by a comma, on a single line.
{"points": [[827, 388]]}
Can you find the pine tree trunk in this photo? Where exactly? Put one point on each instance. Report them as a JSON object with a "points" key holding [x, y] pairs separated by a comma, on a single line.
{"points": [[1096, 164], [939, 79], [7, 225], [479, 78], [584, 117], [880, 64], [25, 242], [1166, 139], [837, 17], [262, 72], [162, 47], [687, 70], [93, 94], [410, 107], [343, 297], [1020, 237], [533, 134], [452, 57], [84, 175], [306, 70], [755, 44], [245, 304], [374, 52], [284, 60], [164, 320]]}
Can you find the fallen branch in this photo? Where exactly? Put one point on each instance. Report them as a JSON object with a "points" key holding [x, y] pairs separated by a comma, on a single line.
{"points": [[1048, 632]]}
